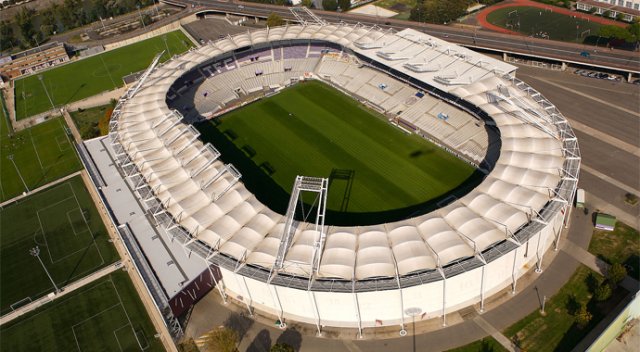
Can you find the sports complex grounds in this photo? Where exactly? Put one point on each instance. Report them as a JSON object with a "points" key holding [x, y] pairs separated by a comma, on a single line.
{"points": [[53, 241]]}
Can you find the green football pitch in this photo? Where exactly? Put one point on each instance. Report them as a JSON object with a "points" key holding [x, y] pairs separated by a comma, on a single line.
{"points": [[105, 315], [538, 22], [93, 75], [65, 225], [41, 154], [377, 172]]}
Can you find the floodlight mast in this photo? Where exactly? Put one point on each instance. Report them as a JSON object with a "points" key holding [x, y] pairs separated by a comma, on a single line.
{"points": [[46, 91], [35, 251], [10, 157]]}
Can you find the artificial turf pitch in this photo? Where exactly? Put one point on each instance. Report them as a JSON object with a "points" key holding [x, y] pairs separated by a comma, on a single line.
{"points": [[64, 223], [42, 153], [93, 75], [105, 315], [312, 129], [533, 21]]}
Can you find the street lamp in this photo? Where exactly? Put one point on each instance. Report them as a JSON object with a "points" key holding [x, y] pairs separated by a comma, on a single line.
{"points": [[46, 91], [10, 157], [140, 14], [35, 251], [412, 312]]}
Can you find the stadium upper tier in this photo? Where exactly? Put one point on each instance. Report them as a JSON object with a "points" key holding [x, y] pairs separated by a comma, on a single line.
{"points": [[528, 186]]}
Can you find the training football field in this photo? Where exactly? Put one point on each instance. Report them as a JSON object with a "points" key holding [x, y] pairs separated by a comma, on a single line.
{"points": [[36, 155], [312, 129], [105, 315], [540, 23], [64, 224], [93, 75]]}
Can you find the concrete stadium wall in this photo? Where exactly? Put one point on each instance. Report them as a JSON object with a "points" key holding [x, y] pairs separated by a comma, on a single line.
{"points": [[386, 308]]}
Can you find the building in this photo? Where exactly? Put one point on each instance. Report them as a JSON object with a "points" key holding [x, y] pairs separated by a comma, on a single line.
{"points": [[422, 267], [629, 9], [33, 60]]}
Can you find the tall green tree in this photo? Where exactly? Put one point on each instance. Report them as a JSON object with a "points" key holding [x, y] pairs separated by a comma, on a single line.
{"points": [[221, 340], [307, 3], [583, 316], [345, 5], [616, 273], [7, 37], [330, 5], [24, 19], [438, 11], [274, 20]]}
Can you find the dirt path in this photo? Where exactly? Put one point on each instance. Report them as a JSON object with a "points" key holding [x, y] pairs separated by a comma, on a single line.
{"points": [[481, 17]]}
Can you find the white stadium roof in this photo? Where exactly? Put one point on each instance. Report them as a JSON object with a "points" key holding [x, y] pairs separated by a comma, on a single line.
{"points": [[205, 198]]}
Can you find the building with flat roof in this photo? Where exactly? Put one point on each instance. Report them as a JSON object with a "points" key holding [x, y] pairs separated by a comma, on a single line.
{"points": [[33, 60]]}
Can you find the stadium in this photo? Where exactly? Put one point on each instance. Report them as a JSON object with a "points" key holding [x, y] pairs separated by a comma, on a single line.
{"points": [[421, 266]]}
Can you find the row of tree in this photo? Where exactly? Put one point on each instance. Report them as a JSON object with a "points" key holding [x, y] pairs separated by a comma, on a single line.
{"points": [[438, 11], [629, 34], [59, 18]]}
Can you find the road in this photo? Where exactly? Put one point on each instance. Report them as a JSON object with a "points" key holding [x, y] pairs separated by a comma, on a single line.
{"points": [[479, 39]]}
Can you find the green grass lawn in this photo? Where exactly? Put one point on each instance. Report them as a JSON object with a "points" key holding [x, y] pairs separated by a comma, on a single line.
{"points": [[90, 76], [105, 315], [42, 153], [64, 223], [87, 120], [533, 21], [556, 331], [376, 171], [488, 344], [621, 245], [402, 7]]}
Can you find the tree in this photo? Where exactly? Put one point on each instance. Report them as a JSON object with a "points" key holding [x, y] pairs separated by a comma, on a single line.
{"points": [[7, 37], [620, 16], [187, 346], [345, 5], [602, 292], [24, 19], [583, 316], [438, 11], [606, 14], [614, 32], [221, 340], [281, 347], [307, 3], [616, 273], [103, 123], [274, 20], [330, 5]]}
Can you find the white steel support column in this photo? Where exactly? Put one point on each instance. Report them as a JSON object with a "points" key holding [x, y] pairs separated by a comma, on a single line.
{"points": [[514, 278], [245, 294], [558, 233], [444, 297], [484, 267], [538, 254], [316, 311], [218, 283], [357, 305], [273, 291]]}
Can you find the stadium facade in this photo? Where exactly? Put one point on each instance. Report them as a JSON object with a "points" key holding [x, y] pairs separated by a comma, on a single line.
{"points": [[362, 276]]}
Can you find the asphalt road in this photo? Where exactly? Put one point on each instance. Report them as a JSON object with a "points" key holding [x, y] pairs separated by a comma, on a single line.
{"points": [[629, 61]]}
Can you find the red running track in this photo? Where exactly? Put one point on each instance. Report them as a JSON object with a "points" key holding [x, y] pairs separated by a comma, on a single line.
{"points": [[482, 15]]}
